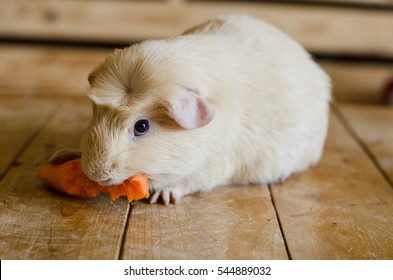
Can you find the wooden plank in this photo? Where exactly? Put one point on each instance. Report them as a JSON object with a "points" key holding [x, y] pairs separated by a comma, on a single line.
{"points": [[320, 29], [37, 223], [65, 70], [19, 122], [33, 69], [340, 209], [358, 82], [236, 222], [374, 126]]}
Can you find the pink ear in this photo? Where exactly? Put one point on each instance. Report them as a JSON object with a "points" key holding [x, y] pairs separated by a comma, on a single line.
{"points": [[189, 110]]}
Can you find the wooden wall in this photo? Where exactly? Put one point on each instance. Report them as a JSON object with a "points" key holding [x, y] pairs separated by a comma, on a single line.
{"points": [[49, 46]]}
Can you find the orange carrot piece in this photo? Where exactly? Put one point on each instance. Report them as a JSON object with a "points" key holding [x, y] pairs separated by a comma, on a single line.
{"points": [[69, 178]]}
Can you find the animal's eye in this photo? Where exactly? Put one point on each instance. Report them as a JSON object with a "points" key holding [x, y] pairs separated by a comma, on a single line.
{"points": [[141, 127]]}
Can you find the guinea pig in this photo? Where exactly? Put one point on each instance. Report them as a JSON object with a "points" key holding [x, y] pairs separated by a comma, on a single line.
{"points": [[231, 101]]}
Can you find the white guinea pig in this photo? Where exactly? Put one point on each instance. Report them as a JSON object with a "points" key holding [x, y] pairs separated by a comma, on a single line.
{"points": [[231, 101]]}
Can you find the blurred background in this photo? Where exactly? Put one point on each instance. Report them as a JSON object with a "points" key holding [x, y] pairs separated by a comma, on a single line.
{"points": [[50, 46]]}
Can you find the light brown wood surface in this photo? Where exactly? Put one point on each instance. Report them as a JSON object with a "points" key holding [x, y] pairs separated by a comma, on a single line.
{"points": [[37, 223], [340, 209], [320, 29]]}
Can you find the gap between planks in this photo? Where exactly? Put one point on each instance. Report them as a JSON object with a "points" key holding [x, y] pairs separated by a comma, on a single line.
{"points": [[123, 237], [279, 223], [347, 125]]}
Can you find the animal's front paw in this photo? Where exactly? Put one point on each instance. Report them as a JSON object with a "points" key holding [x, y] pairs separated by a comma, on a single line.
{"points": [[281, 180], [165, 196]]}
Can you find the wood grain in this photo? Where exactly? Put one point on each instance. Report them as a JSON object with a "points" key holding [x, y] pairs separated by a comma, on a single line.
{"points": [[32, 69], [320, 29], [37, 223], [19, 122], [340, 209], [374, 127], [236, 222]]}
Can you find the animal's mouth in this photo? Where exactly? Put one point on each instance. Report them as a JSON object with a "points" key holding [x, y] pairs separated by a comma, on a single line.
{"points": [[111, 182]]}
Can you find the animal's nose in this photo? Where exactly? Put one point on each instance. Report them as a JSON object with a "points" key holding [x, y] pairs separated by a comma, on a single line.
{"points": [[102, 173], [100, 176]]}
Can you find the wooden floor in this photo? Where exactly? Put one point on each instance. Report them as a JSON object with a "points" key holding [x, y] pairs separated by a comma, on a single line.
{"points": [[340, 209]]}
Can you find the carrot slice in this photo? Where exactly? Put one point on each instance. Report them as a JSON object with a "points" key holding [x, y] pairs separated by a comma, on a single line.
{"points": [[69, 178]]}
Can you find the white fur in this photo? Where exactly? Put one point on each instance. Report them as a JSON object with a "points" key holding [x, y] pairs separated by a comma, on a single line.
{"points": [[257, 109]]}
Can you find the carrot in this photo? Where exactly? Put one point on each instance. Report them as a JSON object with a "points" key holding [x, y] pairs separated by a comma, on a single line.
{"points": [[69, 178]]}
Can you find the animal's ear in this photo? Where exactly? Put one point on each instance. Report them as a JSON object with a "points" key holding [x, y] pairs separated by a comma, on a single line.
{"points": [[91, 78], [189, 109]]}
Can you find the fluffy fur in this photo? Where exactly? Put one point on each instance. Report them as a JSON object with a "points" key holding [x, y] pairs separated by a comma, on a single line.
{"points": [[232, 101]]}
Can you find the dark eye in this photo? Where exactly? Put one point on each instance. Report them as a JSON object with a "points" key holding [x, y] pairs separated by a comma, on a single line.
{"points": [[141, 127]]}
